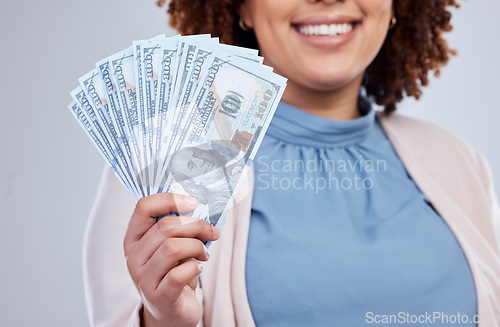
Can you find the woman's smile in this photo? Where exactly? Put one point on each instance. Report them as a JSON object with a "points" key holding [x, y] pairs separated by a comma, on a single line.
{"points": [[326, 32]]}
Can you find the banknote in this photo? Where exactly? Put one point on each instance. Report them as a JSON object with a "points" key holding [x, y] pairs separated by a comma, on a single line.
{"points": [[181, 114], [234, 107], [117, 114], [110, 149], [95, 92], [151, 55], [186, 50], [194, 61], [202, 58], [168, 73], [123, 73], [141, 106], [86, 123]]}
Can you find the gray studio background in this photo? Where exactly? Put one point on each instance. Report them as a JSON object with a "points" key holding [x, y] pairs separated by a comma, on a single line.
{"points": [[49, 170]]}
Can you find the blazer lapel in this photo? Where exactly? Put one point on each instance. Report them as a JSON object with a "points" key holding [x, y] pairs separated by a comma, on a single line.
{"points": [[481, 257]]}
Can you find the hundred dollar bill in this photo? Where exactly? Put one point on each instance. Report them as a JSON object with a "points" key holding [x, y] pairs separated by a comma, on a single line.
{"points": [[118, 116], [166, 75], [202, 58], [241, 96], [85, 122], [229, 82], [182, 114], [184, 59], [122, 69], [235, 105], [141, 105], [194, 72], [166, 80], [110, 148], [152, 55], [246, 53], [95, 90], [186, 50], [193, 77]]}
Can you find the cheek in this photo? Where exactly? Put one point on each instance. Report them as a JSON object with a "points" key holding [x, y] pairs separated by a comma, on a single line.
{"points": [[374, 7], [271, 10], [378, 14], [271, 20]]}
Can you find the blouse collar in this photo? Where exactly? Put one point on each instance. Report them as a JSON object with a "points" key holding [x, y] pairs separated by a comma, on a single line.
{"points": [[293, 125]]}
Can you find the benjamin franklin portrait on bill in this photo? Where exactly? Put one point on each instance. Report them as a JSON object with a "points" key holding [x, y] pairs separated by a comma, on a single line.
{"points": [[209, 172]]}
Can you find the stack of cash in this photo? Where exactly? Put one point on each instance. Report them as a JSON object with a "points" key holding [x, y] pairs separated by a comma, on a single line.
{"points": [[180, 114]]}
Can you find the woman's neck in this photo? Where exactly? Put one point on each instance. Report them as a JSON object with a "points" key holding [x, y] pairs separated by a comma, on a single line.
{"points": [[341, 104]]}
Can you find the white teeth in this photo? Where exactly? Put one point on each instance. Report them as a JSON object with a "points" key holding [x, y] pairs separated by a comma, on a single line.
{"points": [[325, 30], [333, 29]]}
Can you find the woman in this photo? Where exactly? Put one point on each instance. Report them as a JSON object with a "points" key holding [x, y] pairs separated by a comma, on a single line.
{"points": [[417, 238]]}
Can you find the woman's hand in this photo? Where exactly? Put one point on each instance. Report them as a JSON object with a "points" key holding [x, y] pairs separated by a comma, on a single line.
{"points": [[163, 256]]}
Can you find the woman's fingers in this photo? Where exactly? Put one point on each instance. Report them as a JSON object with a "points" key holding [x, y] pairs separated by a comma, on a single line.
{"points": [[193, 283], [177, 279], [172, 227], [171, 253], [150, 207], [163, 257]]}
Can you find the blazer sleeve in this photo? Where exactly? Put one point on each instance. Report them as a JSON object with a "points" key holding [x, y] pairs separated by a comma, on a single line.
{"points": [[111, 297], [110, 294], [493, 204]]}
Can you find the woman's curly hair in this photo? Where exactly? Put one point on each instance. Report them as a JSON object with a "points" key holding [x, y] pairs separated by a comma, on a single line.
{"points": [[413, 47]]}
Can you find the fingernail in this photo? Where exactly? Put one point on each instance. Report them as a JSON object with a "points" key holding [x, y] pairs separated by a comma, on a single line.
{"points": [[190, 201], [207, 253], [200, 267]]}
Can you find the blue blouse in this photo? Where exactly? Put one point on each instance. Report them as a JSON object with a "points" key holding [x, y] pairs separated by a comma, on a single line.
{"points": [[340, 235]]}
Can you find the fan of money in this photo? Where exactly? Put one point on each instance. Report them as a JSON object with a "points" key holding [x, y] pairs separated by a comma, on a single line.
{"points": [[181, 114]]}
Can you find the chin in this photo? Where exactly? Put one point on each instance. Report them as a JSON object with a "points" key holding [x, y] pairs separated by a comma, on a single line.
{"points": [[329, 82]]}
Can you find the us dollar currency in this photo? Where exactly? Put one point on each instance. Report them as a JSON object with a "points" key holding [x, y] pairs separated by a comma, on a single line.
{"points": [[193, 76], [168, 73], [122, 69], [95, 91], [118, 117], [235, 105], [152, 62], [151, 54], [110, 148], [141, 106], [85, 122], [194, 72], [197, 74], [183, 114], [186, 51], [245, 53]]}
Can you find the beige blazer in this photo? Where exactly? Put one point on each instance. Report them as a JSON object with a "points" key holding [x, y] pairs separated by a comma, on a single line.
{"points": [[452, 174]]}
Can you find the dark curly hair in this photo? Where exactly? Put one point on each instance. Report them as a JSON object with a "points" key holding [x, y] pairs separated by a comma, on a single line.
{"points": [[413, 47]]}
